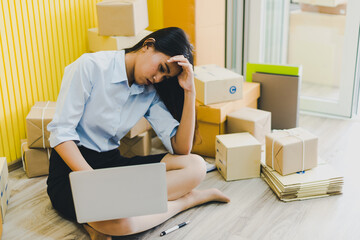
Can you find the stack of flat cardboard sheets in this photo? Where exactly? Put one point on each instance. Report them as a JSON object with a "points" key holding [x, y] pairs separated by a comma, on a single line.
{"points": [[320, 181]]}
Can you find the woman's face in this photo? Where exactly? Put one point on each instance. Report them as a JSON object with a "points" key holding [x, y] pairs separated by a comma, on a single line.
{"points": [[152, 67]]}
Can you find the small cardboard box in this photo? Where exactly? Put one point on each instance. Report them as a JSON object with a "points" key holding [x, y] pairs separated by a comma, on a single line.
{"points": [[4, 187], [292, 150], [122, 17], [256, 122], [238, 156], [137, 146], [211, 118], [215, 84], [141, 126], [40, 115], [35, 160], [104, 43]]}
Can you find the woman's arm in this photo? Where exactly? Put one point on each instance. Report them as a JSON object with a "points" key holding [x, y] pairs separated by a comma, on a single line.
{"points": [[71, 155], [183, 139]]}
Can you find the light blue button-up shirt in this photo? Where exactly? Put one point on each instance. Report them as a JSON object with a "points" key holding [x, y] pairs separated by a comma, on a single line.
{"points": [[96, 107]]}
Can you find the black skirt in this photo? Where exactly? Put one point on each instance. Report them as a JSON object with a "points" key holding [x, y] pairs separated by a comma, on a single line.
{"points": [[58, 183]]}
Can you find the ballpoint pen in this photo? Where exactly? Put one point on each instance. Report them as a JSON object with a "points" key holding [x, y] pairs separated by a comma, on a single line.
{"points": [[174, 228]]}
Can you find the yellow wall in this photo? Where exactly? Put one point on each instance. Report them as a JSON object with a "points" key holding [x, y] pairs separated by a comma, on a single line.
{"points": [[38, 38]]}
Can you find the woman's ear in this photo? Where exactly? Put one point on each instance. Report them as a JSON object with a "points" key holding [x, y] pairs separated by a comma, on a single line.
{"points": [[149, 43]]}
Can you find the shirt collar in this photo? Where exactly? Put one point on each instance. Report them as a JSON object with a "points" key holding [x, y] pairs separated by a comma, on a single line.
{"points": [[121, 76]]}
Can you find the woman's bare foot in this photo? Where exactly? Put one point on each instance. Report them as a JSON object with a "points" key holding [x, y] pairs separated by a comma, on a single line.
{"points": [[197, 197], [95, 235]]}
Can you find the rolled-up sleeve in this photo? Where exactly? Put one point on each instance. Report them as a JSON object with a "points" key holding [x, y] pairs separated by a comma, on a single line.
{"points": [[75, 90], [162, 122]]}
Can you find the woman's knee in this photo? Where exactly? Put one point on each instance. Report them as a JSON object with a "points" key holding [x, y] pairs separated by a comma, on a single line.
{"points": [[197, 164], [116, 227]]}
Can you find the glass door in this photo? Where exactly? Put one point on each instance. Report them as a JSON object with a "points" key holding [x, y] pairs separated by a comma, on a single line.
{"points": [[323, 38]]}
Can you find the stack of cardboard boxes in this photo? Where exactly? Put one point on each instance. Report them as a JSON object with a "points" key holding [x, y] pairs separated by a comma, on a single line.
{"points": [[121, 24], [225, 105], [36, 148], [291, 167]]}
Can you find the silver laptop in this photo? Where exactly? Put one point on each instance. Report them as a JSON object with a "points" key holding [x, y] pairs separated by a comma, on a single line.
{"points": [[120, 192]]}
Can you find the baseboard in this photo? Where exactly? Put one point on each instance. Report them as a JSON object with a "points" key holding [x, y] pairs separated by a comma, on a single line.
{"points": [[15, 165]]}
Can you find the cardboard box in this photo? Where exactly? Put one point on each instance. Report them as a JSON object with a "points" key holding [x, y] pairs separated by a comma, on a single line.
{"points": [[1, 227], [4, 187], [256, 122], [40, 115], [35, 160], [211, 118], [327, 3], [122, 17], [141, 126], [291, 150], [279, 94], [238, 156], [339, 9], [104, 43], [215, 84], [204, 21], [137, 146]]}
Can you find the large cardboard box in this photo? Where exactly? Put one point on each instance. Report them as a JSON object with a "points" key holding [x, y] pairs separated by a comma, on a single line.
{"points": [[215, 84], [122, 17], [292, 150], [141, 126], [137, 146], [327, 3], [4, 187], [279, 94], [104, 43], [238, 156], [40, 115], [254, 121], [35, 160], [211, 118], [204, 21]]}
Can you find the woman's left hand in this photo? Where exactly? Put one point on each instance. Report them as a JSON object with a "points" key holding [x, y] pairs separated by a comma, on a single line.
{"points": [[186, 77]]}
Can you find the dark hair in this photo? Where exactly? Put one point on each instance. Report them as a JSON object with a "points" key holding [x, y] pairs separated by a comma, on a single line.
{"points": [[170, 41]]}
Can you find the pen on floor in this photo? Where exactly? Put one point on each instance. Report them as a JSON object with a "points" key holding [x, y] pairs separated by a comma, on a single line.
{"points": [[174, 228]]}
